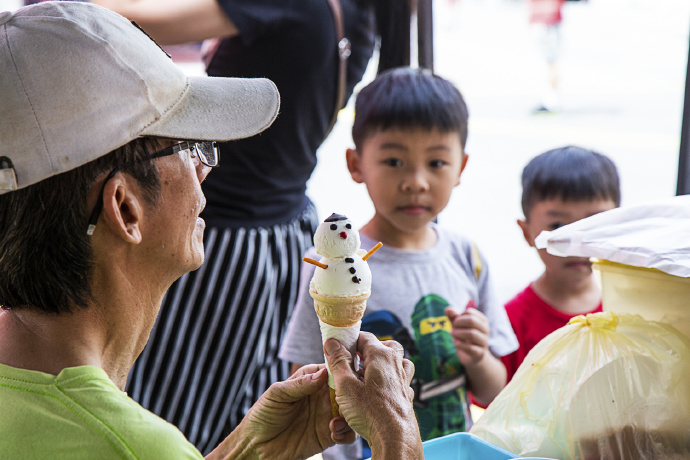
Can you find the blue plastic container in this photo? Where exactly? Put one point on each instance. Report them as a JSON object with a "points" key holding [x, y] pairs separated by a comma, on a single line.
{"points": [[463, 446]]}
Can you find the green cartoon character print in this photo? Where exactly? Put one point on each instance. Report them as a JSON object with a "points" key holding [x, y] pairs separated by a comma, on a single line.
{"points": [[440, 393]]}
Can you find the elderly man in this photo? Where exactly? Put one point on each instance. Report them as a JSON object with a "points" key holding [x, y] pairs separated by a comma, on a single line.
{"points": [[99, 204]]}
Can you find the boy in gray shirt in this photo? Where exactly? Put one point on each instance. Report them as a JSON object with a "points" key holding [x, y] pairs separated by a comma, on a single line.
{"points": [[431, 289]]}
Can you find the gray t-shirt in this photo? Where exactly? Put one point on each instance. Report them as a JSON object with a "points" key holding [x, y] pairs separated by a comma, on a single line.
{"points": [[410, 290], [400, 279]]}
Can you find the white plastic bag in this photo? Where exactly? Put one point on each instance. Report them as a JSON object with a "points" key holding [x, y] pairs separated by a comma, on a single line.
{"points": [[650, 235]]}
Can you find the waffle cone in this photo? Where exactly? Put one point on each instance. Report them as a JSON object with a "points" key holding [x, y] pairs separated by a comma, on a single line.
{"points": [[335, 408], [340, 311]]}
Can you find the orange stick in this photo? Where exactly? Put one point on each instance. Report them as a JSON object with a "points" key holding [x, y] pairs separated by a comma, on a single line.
{"points": [[372, 250], [313, 262]]}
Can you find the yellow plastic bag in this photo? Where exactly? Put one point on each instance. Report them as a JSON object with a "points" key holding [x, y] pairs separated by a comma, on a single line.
{"points": [[605, 386]]}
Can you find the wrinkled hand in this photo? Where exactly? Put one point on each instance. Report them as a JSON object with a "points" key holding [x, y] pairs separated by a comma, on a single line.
{"points": [[377, 400], [292, 419], [470, 331]]}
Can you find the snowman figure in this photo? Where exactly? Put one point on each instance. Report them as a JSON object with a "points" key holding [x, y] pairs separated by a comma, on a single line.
{"points": [[344, 269]]}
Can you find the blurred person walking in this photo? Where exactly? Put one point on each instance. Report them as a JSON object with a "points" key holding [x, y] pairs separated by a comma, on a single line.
{"points": [[545, 18]]}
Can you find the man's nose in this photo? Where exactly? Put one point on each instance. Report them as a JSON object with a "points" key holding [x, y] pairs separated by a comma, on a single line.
{"points": [[202, 171]]}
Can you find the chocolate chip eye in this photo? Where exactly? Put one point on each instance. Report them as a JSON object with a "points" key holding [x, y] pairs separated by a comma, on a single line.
{"points": [[334, 227], [348, 226]]}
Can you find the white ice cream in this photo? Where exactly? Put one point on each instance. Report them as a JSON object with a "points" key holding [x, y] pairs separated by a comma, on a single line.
{"points": [[337, 279], [347, 274]]}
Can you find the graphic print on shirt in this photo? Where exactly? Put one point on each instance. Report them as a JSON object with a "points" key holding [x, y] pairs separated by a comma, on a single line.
{"points": [[440, 393]]}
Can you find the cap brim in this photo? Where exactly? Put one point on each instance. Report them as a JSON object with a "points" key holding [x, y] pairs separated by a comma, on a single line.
{"points": [[219, 109]]}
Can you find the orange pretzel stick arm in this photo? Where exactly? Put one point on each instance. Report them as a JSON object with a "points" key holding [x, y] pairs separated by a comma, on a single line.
{"points": [[372, 250], [313, 262]]}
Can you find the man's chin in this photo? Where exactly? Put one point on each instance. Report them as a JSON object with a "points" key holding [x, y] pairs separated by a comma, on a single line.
{"points": [[199, 259], [197, 256]]}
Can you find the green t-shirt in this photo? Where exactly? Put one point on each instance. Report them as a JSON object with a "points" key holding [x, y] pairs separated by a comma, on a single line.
{"points": [[80, 414]]}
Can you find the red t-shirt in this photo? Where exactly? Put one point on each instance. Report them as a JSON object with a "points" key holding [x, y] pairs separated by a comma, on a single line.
{"points": [[532, 320]]}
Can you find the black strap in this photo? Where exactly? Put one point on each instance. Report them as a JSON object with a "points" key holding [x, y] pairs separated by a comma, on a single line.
{"points": [[343, 53]]}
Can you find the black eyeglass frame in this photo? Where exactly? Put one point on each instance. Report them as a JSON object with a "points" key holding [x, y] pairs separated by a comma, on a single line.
{"points": [[195, 149]]}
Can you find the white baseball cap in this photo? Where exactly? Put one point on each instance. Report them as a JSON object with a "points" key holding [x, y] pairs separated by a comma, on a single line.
{"points": [[78, 81]]}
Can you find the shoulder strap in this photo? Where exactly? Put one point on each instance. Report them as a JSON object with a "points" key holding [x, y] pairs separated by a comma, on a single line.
{"points": [[343, 54], [476, 261]]}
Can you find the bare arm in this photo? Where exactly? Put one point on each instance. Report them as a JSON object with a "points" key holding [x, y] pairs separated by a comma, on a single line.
{"points": [[486, 373], [171, 22], [487, 378]]}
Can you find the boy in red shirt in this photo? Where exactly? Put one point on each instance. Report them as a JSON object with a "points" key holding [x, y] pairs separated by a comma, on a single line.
{"points": [[559, 187]]}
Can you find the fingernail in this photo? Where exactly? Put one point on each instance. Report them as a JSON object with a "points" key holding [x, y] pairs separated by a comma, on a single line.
{"points": [[341, 427], [331, 346]]}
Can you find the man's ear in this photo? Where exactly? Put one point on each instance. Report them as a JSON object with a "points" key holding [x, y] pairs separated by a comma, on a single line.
{"points": [[525, 232], [122, 208], [354, 165]]}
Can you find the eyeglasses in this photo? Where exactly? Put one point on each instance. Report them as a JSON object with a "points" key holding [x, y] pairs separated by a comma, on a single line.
{"points": [[206, 152]]}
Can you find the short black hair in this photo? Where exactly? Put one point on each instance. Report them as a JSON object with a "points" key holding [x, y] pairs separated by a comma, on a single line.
{"points": [[45, 254], [408, 98], [569, 173]]}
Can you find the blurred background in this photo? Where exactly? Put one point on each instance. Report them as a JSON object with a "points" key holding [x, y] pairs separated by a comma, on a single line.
{"points": [[622, 74], [622, 70]]}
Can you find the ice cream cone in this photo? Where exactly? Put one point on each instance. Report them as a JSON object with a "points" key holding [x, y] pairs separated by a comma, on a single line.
{"points": [[340, 286], [340, 311]]}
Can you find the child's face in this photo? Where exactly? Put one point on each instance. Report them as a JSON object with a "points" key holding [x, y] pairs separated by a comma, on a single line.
{"points": [[554, 213], [409, 174]]}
